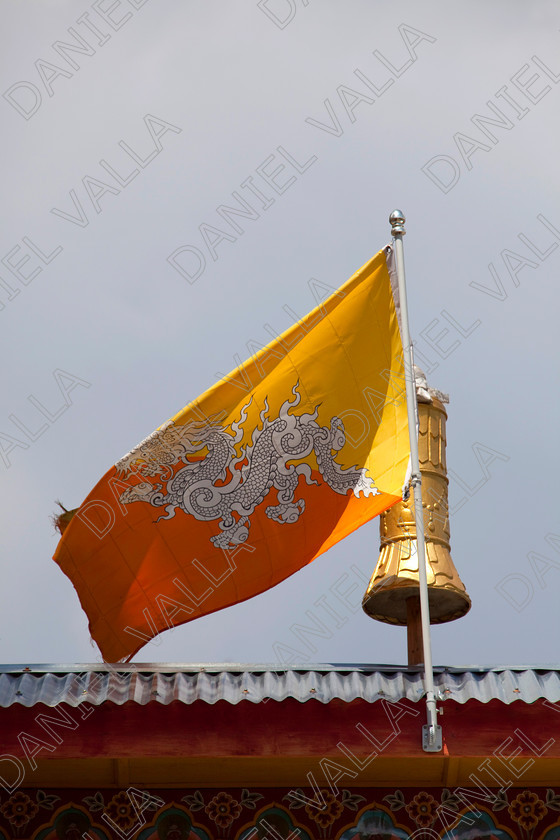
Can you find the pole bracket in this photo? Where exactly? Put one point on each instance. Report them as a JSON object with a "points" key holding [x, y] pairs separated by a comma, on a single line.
{"points": [[433, 743]]}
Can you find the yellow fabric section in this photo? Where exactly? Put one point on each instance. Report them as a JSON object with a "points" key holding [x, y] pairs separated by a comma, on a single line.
{"points": [[347, 357]]}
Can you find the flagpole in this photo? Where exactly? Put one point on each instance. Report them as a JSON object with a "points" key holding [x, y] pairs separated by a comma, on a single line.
{"points": [[431, 732]]}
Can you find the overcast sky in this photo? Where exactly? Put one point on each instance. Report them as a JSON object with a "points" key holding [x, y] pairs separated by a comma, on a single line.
{"points": [[120, 306]]}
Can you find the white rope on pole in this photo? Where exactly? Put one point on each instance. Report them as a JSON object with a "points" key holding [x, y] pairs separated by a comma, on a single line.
{"points": [[431, 733]]}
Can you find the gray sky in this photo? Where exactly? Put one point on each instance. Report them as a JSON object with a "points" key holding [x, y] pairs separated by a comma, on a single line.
{"points": [[116, 154]]}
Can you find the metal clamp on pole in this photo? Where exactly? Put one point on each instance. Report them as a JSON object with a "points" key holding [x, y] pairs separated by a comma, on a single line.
{"points": [[431, 732]]}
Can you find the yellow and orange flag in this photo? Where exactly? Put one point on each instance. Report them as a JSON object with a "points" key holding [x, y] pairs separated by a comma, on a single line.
{"points": [[269, 468]]}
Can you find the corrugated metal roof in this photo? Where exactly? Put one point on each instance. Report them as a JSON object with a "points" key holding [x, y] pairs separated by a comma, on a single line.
{"points": [[96, 684]]}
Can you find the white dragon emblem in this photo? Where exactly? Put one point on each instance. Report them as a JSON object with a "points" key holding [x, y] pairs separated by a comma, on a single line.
{"points": [[227, 486]]}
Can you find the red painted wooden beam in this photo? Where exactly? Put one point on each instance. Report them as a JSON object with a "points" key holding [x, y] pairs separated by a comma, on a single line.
{"points": [[272, 729]]}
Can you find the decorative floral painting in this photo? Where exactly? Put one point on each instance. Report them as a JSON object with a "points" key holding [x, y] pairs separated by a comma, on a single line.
{"points": [[279, 814]]}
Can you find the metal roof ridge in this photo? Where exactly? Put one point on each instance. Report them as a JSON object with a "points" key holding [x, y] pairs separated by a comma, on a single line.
{"points": [[237, 667]]}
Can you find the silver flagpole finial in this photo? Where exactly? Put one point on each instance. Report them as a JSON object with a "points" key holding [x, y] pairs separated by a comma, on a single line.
{"points": [[397, 221]]}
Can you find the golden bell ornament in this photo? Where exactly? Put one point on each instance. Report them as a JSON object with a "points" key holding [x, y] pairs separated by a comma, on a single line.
{"points": [[393, 592]]}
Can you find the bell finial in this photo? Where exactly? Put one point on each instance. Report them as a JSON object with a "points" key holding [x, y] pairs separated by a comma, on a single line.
{"points": [[393, 592]]}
